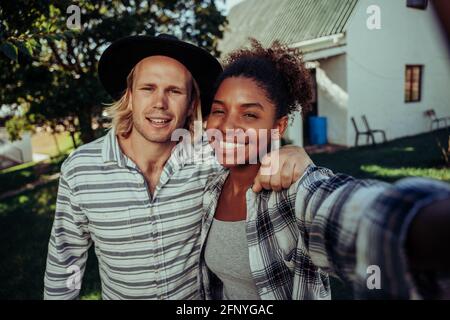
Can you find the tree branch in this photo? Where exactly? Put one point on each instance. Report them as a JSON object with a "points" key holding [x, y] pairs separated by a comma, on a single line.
{"points": [[58, 57], [71, 54]]}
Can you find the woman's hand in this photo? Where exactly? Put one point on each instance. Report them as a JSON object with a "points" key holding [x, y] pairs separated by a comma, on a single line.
{"points": [[428, 238], [281, 168]]}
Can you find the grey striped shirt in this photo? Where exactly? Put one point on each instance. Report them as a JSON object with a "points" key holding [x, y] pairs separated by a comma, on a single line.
{"points": [[147, 245]]}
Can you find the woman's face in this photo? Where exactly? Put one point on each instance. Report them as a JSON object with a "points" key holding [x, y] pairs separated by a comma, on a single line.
{"points": [[240, 123]]}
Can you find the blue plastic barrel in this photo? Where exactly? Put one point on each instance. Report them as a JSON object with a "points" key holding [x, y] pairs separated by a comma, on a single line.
{"points": [[318, 130]]}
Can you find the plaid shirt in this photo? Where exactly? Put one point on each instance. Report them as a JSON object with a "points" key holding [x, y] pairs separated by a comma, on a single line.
{"points": [[323, 224]]}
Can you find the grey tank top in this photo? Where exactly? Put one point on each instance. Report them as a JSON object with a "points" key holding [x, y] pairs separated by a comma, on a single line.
{"points": [[226, 255]]}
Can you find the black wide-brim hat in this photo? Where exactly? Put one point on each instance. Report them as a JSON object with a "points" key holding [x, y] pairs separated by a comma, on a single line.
{"points": [[122, 55]]}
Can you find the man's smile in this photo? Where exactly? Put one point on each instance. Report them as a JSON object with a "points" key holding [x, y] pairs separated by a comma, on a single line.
{"points": [[159, 122]]}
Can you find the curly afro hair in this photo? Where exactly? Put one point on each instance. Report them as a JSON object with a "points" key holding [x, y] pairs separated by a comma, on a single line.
{"points": [[278, 70]]}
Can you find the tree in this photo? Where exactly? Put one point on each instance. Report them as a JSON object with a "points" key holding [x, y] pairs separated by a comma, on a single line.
{"points": [[50, 70]]}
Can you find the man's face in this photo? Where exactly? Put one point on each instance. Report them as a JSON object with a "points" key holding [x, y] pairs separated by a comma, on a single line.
{"points": [[160, 97]]}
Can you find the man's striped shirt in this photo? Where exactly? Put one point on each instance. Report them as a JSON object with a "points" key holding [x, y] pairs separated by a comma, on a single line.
{"points": [[147, 245]]}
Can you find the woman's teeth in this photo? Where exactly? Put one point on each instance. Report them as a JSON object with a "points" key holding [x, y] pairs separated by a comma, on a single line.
{"points": [[230, 145], [159, 121]]}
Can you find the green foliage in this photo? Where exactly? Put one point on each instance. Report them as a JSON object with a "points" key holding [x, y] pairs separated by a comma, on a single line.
{"points": [[10, 50], [16, 126], [51, 70]]}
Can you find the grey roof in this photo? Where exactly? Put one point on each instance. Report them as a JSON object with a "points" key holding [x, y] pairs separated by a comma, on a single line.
{"points": [[289, 21]]}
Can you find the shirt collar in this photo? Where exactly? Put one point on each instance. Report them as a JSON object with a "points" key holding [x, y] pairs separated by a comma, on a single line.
{"points": [[111, 151], [113, 154], [217, 181]]}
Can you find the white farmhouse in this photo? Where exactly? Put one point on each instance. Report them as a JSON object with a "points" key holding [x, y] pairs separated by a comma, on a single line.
{"points": [[384, 59]]}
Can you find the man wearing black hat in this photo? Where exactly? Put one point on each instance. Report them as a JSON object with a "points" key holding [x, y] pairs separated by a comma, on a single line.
{"points": [[130, 193]]}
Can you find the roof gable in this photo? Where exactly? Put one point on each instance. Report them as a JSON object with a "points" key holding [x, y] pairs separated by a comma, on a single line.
{"points": [[289, 21]]}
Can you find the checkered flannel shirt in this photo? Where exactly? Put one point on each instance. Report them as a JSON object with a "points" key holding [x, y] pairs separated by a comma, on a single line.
{"points": [[324, 224]]}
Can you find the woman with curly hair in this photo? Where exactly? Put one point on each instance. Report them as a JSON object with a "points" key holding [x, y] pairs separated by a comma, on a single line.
{"points": [[283, 244]]}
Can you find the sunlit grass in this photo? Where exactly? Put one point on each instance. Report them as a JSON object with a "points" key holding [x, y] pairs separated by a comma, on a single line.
{"points": [[383, 172], [92, 296], [405, 149], [23, 199], [18, 167]]}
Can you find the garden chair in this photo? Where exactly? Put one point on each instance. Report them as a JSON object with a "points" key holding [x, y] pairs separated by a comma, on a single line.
{"points": [[368, 134], [373, 131], [434, 119]]}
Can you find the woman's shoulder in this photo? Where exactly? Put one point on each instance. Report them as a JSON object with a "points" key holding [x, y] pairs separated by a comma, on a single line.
{"points": [[314, 173], [312, 177]]}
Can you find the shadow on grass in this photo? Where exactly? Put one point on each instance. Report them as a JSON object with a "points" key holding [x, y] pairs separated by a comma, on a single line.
{"points": [[25, 225], [412, 156], [18, 176]]}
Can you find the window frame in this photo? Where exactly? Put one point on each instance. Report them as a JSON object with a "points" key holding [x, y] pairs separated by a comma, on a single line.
{"points": [[409, 99]]}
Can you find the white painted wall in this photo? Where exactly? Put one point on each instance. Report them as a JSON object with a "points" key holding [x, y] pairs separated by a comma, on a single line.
{"points": [[335, 69], [328, 106], [376, 62], [294, 131]]}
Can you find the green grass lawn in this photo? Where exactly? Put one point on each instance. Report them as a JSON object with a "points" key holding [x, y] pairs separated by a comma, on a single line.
{"points": [[18, 176], [25, 225], [412, 156], [26, 219]]}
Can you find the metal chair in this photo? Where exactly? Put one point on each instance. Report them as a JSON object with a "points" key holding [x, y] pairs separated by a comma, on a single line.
{"points": [[434, 119], [362, 133], [373, 131]]}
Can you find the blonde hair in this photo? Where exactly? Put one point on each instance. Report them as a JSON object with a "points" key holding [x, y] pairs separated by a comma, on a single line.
{"points": [[122, 116]]}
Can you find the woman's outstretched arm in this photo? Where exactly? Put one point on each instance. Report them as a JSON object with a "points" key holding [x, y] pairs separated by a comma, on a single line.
{"points": [[354, 228]]}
